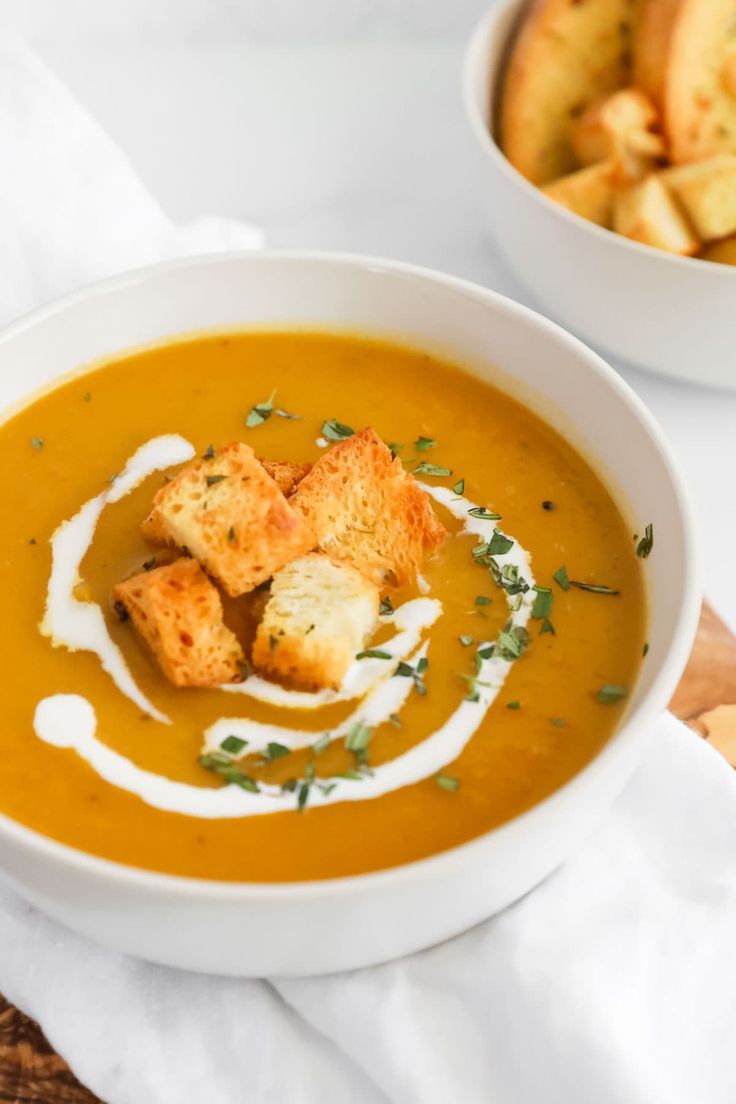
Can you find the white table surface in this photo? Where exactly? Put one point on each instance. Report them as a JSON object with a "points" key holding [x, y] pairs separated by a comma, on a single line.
{"points": [[335, 126]]}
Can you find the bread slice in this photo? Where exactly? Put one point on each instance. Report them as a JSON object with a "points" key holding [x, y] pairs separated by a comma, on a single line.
{"points": [[367, 511], [686, 57], [620, 128], [567, 56], [588, 192], [707, 191], [723, 252], [178, 612], [230, 515], [647, 213], [318, 616], [286, 475]]}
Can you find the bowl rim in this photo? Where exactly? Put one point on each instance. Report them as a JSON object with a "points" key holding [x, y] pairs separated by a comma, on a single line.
{"points": [[472, 71], [433, 866]]}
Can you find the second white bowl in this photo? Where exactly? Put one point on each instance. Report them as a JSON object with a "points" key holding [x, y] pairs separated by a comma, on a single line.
{"points": [[674, 315]]}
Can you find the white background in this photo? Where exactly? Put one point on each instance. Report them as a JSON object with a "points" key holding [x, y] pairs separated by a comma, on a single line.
{"points": [[333, 124]]}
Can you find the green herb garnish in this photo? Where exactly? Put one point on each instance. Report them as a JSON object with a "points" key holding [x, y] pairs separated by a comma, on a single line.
{"points": [[386, 607], [447, 782], [483, 600], [405, 670], [483, 514], [395, 447], [593, 588], [513, 705], [558, 722], [37, 442], [336, 431], [431, 469], [228, 771], [542, 605], [646, 544], [459, 487], [358, 737], [466, 640], [645, 649], [374, 653], [320, 745], [395, 720], [213, 480], [560, 577], [275, 751], [261, 412], [512, 642], [547, 627], [209, 454], [499, 544], [423, 443], [233, 745], [611, 693]]}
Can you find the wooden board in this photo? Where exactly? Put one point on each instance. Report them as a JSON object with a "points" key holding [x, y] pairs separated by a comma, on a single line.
{"points": [[31, 1073]]}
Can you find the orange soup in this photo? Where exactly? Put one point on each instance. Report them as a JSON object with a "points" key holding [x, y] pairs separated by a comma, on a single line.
{"points": [[528, 630]]}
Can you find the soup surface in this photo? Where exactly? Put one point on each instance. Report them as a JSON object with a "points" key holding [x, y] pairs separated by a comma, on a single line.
{"points": [[556, 705]]}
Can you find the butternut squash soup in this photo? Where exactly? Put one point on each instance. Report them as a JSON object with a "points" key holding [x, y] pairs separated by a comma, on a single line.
{"points": [[291, 605]]}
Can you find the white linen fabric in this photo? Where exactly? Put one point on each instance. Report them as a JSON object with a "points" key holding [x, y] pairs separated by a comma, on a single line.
{"points": [[613, 982]]}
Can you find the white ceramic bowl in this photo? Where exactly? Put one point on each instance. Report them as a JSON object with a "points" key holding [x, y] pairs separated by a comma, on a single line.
{"points": [[675, 315], [315, 927]]}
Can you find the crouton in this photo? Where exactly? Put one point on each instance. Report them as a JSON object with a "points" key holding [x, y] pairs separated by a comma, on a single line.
{"points": [[723, 252], [367, 511], [178, 613], [286, 475], [318, 616], [589, 192], [566, 56], [230, 515], [685, 58], [647, 213], [619, 128], [707, 191]]}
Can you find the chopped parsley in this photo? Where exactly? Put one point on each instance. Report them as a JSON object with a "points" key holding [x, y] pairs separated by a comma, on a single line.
{"points": [[261, 412], [405, 670], [499, 544], [466, 640], [395, 720], [483, 600], [542, 605], [513, 705], [547, 627], [275, 751], [386, 607], [37, 442], [336, 431], [447, 782], [459, 487], [611, 693], [228, 771], [374, 653], [560, 577], [213, 480], [646, 544], [431, 469], [320, 745], [423, 443], [233, 745], [209, 453], [512, 642]]}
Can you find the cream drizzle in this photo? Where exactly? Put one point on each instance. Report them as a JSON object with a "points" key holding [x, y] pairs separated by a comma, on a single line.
{"points": [[80, 626], [69, 720]]}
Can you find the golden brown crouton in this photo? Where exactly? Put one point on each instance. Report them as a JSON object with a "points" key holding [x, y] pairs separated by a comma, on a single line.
{"points": [[286, 475], [367, 511], [724, 252], [178, 612], [588, 192], [648, 213], [620, 128], [230, 515], [318, 616], [707, 191]]}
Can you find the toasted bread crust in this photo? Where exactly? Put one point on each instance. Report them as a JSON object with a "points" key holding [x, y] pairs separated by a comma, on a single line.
{"points": [[589, 192], [231, 516], [620, 128], [367, 511], [178, 613], [707, 192], [287, 476], [647, 213], [567, 55], [723, 252], [318, 616]]}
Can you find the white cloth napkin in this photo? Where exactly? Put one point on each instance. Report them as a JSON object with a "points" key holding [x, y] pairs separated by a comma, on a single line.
{"points": [[612, 983]]}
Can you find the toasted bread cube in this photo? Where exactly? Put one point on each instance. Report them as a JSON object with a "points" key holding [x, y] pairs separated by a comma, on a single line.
{"points": [[723, 252], [230, 515], [647, 213], [707, 191], [286, 475], [318, 616], [589, 192], [619, 129], [178, 612], [367, 511]]}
